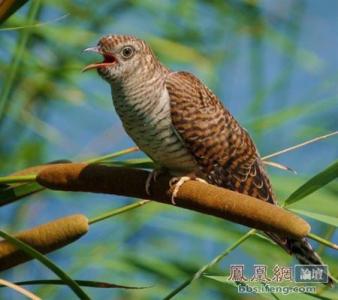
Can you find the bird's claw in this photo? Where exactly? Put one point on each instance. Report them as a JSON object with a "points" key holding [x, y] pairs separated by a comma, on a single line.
{"points": [[152, 177], [175, 184]]}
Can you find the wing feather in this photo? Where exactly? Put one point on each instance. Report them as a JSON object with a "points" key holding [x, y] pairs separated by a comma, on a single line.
{"points": [[224, 151]]}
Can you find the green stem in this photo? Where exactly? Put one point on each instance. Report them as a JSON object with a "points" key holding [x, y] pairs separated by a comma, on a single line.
{"points": [[48, 263], [118, 211], [32, 177], [316, 139], [322, 241], [18, 179], [218, 258], [328, 236], [111, 155], [17, 56]]}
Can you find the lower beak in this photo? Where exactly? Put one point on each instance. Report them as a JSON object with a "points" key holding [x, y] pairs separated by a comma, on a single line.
{"points": [[95, 65]]}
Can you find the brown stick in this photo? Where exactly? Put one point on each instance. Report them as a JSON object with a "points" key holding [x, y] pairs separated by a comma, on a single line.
{"points": [[44, 238], [193, 195]]}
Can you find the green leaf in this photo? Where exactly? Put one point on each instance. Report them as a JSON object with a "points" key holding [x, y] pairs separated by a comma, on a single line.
{"points": [[278, 118], [118, 211], [145, 163], [292, 148], [180, 53], [15, 187], [320, 296], [220, 278], [17, 179], [319, 217], [48, 263], [224, 279], [111, 156], [214, 261], [285, 185], [17, 55], [323, 241], [314, 184], [88, 283], [12, 193]]}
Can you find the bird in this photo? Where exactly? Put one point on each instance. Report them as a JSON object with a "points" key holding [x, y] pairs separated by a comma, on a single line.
{"points": [[184, 128]]}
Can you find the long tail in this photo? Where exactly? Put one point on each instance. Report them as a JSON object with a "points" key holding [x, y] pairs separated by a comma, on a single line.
{"points": [[305, 254], [300, 248], [249, 177]]}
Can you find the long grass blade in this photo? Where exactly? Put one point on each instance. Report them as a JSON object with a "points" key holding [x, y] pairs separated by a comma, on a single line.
{"points": [[118, 211], [19, 289], [316, 182], [9, 194], [17, 179], [111, 155], [224, 279], [11, 189], [279, 166], [17, 57], [86, 283], [48, 263], [318, 296], [319, 217], [217, 259], [145, 163], [314, 140], [322, 241], [35, 25]]}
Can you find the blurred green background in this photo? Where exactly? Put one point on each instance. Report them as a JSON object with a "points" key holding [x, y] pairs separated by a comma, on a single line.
{"points": [[274, 64]]}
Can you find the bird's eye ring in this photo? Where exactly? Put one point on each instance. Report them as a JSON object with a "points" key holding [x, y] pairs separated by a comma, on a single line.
{"points": [[127, 52]]}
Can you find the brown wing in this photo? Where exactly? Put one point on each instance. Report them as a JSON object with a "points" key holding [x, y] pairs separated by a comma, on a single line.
{"points": [[223, 150]]}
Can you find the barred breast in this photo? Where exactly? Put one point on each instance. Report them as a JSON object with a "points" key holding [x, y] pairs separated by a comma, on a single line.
{"points": [[146, 118]]}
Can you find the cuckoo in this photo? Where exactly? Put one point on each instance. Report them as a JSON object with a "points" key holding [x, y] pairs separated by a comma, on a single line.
{"points": [[184, 128]]}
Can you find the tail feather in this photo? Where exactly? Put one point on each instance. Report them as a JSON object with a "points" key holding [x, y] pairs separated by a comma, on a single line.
{"points": [[247, 175], [305, 254], [302, 250]]}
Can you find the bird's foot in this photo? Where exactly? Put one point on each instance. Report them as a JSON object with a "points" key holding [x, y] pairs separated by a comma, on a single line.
{"points": [[152, 177], [175, 184]]}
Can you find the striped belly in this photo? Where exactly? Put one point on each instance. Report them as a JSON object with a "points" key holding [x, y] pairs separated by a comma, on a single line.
{"points": [[149, 125]]}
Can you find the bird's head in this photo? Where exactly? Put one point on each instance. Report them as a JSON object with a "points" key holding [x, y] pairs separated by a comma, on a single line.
{"points": [[123, 55]]}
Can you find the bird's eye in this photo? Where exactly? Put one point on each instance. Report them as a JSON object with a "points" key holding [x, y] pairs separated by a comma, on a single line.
{"points": [[127, 52]]}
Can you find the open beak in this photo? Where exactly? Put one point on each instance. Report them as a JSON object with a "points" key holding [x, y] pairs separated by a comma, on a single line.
{"points": [[108, 59]]}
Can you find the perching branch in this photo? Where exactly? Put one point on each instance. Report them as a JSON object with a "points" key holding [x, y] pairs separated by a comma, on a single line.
{"points": [[193, 195]]}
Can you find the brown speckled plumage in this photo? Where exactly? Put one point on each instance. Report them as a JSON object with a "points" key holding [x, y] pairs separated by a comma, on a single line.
{"points": [[223, 150], [184, 127]]}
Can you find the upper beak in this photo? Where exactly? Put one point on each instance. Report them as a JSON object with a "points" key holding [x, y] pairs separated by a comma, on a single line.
{"points": [[92, 49], [91, 66], [95, 65]]}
